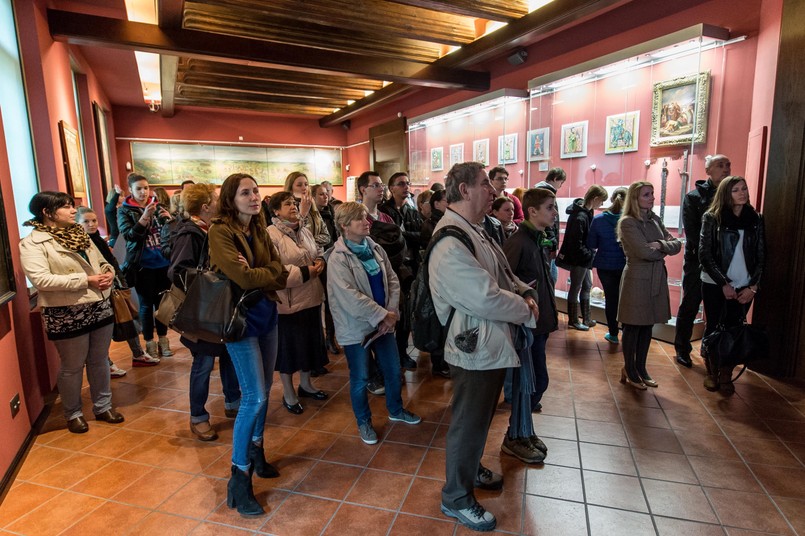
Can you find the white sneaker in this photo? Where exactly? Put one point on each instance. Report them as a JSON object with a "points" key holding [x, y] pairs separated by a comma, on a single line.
{"points": [[116, 372], [145, 360]]}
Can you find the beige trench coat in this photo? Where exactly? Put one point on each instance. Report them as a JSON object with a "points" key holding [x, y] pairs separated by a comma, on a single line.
{"points": [[644, 286]]}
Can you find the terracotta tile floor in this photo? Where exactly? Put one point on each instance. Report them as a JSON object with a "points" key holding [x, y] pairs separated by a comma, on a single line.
{"points": [[669, 461]]}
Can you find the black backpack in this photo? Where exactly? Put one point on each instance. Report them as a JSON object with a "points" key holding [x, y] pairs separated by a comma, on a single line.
{"points": [[428, 332]]}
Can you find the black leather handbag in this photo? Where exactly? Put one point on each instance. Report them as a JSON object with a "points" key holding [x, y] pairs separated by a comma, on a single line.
{"points": [[728, 347]]}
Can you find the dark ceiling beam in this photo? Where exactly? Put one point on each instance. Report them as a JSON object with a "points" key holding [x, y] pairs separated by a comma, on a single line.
{"points": [[534, 27], [285, 109], [91, 30], [242, 72], [496, 10], [398, 20], [237, 95], [169, 13]]}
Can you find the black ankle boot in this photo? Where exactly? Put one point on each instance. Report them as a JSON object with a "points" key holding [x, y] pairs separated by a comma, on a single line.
{"points": [[240, 495], [257, 457]]}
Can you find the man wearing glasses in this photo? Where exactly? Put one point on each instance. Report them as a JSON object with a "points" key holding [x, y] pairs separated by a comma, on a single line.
{"points": [[499, 178]]}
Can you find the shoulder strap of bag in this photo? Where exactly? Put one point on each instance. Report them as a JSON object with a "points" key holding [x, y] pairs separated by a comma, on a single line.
{"points": [[204, 258], [455, 232]]}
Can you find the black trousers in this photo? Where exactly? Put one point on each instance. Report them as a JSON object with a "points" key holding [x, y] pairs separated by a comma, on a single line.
{"points": [[475, 397], [611, 281], [688, 307], [150, 285]]}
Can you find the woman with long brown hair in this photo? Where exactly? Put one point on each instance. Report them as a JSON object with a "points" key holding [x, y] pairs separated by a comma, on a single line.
{"points": [[241, 249], [732, 250]]}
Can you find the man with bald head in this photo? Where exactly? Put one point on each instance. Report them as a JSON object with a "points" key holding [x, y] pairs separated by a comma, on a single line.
{"points": [[694, 206]]}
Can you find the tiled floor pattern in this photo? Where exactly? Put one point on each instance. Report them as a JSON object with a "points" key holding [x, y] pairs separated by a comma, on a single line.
{"points": [[676, 460]]}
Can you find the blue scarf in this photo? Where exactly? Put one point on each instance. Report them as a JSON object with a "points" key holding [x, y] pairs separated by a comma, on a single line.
{"points": [[365, 255]]}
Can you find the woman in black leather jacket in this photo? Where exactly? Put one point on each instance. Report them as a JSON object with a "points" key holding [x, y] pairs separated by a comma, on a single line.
{"points": [[732, 251]]}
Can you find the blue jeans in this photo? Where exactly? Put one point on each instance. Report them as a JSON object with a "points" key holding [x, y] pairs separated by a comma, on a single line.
{"points": [[200, 384], [388, 360], [554, 271], [253, 359], [538, 358]]}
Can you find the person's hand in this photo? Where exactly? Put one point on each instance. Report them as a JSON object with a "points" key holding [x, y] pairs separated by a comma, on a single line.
{"points": [[304, 204], [729, 292], [388, 323], [164, 214], [655, 246], [317, 268], [242, 260], [745, 296], [101, 281], [118, 189], [532, 305], [148, 212]]}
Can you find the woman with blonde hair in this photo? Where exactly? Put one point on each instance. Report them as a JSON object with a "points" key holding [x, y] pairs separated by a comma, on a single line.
{"points": [[296, 182], [732, 250], [644, 299], [575, 256]]}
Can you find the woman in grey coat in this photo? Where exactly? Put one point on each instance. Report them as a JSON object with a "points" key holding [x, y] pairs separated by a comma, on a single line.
{"points": [[644, 297]]}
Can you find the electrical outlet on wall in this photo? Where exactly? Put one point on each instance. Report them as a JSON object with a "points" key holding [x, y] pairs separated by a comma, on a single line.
{"points": [[15, 405]]}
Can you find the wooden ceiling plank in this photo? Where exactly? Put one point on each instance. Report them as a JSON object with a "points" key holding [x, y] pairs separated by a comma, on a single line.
{"points": [[215, 81], [168, 68], [397, 19], [508, 11], [231, 70], [285, 109], [92, 30], [275, 30], [193, 92], [169, 13]]}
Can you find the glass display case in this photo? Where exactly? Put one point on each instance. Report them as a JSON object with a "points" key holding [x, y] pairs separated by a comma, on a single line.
{"points": [[486, 129]]}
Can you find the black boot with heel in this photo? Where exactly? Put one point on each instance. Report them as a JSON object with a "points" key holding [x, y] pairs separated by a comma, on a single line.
{"points": [[240, 494]]}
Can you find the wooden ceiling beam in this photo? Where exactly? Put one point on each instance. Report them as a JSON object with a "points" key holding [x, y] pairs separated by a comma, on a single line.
{"points": [[239, 95], [241, 72], [168, 68], [272, 29], [534, 27], [92, 30], [398, 20], [169, 13], [284, 109], [508, 11]]}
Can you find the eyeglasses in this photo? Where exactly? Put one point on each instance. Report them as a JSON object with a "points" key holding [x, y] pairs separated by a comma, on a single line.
{"points": [[375, 185], [403, 183]]}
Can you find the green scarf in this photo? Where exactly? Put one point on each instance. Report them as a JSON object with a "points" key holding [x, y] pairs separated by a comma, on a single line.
{"points": [[365, 255]]}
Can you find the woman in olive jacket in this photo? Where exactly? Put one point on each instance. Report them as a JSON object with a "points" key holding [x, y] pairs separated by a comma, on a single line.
{"points": [[241, 249], [644, 299], [729, 281]]}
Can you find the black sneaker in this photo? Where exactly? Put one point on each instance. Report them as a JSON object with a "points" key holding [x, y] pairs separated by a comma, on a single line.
{"points": [[376, 388], [486, 479], [406, 363]]}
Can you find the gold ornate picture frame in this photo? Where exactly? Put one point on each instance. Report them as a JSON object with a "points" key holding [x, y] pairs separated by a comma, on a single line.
{"points": [[679, 110]]}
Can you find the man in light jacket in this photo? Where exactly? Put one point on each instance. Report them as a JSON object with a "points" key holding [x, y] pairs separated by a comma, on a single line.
{"points": [[479, 346]]}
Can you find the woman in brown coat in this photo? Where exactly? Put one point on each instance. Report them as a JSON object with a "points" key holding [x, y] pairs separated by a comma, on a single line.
{"points": [[644, 297]]}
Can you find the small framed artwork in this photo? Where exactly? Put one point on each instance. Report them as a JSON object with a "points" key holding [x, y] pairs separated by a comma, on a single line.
{"points": [[679, 110], [73, 160], [456, 154], [622, 132], [543, 166], [480, 151], [507, 149], [574, 140], [437, 159], [104, 152], [539, 141]]}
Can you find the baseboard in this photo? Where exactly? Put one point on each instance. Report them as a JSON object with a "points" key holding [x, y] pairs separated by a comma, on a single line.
{"points": [[22, 453]]}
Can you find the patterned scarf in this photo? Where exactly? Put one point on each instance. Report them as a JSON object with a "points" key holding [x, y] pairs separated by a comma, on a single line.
{"points": [[365, 255], [73, 237]]}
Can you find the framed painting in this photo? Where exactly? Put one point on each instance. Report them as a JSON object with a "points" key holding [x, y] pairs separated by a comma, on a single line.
{"points": [[104, 154], [480, 151], [679, 110], [456, 154], [168, 164], [8, 285], [507, 149], [622, 132], [574, 140], [73, 160], [539, 143], [437, 159]]}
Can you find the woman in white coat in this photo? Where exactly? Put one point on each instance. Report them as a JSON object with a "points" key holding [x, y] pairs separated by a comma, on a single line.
{"points": [[74, 284]]}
